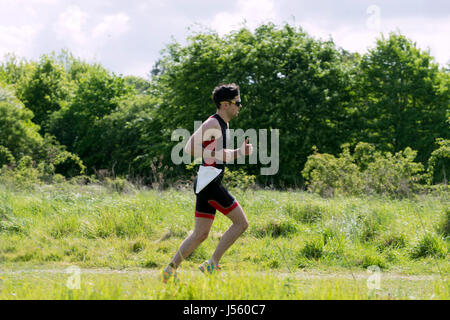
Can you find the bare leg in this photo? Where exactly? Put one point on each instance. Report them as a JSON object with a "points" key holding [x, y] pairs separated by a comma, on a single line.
{"points": [[240, 224], [201, 231]]}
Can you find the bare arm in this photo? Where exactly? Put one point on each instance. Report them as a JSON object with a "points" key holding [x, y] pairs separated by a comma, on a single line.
{"points": [[210, 130]]}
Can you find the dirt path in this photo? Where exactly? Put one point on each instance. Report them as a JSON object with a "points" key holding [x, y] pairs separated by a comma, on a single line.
{"points": [[154, 273]]}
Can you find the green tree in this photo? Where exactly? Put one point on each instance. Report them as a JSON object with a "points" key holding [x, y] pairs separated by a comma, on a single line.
{"points": [[289, 81], [404, 97], [18, 133], [44, 90], [439, 162], [78, 124]]}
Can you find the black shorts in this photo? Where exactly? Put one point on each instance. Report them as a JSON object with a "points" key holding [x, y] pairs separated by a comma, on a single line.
{"points": [[214, 197]]}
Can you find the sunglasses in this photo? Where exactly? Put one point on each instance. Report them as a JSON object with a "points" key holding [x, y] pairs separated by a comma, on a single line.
{"points": [[236, 102]]}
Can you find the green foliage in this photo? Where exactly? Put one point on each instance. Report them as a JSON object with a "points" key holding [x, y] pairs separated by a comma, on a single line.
{"points": [[444, 227], [119, 185], [392, 240], [79, 125], [429, 245], [394, 97], [238, 179], [24, 177], [288, 81], [372, 258], [274, 228], [6, 157], [44, 89], [305, 212], [403, 100], [18, 133], [439, 162], [365, 172], [313, 249]]}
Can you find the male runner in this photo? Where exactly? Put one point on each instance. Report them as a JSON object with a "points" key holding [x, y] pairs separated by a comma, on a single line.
{"points": [[209, 142]]}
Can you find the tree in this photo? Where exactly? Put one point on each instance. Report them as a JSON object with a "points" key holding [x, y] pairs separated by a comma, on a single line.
{"points": [[18, 134], [289, 81], [45, 90], [404, 97], [78, 125]]}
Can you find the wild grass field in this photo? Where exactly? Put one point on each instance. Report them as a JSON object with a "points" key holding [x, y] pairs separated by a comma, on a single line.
{"points": [[298, 246]]}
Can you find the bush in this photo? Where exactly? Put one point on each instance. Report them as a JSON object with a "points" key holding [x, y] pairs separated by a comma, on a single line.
{"points": [[6, 157], [372, 259], [392, 240], [429, 245], [313, 249], [25, 176], [328, 175], [365, 172], [238, 179], [439, 160]]}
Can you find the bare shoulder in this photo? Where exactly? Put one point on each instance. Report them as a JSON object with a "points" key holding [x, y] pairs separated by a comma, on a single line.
{"points": [[211, 129], [211, 123]]}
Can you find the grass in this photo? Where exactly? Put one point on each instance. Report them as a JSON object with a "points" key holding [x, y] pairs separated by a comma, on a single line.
{"points": [[141, 284], [290, 232]]}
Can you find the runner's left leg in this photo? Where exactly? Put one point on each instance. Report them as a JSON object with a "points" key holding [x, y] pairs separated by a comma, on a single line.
{"points": [[201, 231]]}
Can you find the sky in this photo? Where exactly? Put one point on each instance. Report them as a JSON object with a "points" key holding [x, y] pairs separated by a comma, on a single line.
{"points": [[127, 37]]}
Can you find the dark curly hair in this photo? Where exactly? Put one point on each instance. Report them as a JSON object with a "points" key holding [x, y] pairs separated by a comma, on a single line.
{"points": [[224, 92]]}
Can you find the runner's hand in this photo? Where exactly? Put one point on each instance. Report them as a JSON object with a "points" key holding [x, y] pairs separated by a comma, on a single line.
{"points": [[246, 148]]}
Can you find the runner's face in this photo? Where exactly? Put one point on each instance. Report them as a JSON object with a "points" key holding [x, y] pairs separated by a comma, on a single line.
{"points": [[234, 109]]}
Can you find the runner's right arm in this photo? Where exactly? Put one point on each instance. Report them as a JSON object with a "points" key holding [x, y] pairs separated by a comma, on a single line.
{"points": [[210, 133]]}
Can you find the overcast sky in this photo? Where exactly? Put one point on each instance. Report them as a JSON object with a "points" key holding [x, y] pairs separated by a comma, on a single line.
{"points": [[127, 36]]}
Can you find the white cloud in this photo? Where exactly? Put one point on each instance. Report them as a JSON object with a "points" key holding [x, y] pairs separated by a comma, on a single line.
{"points": [[253, 12], [79, 32], [427, 33], [17, 39], [112, 26], [70, 25]]}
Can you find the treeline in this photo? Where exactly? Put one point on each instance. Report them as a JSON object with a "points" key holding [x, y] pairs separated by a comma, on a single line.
{"points": [[65, 117]]}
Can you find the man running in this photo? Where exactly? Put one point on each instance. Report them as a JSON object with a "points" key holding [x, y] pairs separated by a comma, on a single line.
{"points": [[209, 143]]}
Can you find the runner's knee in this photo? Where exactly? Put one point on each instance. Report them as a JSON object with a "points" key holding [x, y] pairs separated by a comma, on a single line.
{"points": [[200, 236], [243, 225]]}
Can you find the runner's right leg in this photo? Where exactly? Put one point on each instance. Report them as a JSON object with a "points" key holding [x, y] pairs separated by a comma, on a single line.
{"points": [[201, 231]]}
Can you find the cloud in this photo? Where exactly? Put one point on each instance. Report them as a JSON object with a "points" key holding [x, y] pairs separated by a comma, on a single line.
{"points": [[252, 12], [111, 26], [86, 34], [427, 33], [70, 24], [17, 39]]}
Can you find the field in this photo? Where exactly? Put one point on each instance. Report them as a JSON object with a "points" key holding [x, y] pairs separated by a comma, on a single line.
{"points": [[87, 242]]}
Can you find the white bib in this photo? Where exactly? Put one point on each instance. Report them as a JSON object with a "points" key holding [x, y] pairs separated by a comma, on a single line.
{"points": [[205, 176]]}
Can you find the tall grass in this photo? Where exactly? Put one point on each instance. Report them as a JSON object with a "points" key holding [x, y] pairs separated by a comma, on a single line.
{"points": [[92, 226]]}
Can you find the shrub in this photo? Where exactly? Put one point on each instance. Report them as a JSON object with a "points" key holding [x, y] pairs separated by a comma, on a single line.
{"points": [[6, 157], [326, 174], [238, 179], [365, 172], [313, 249], [439, 160], [429, 245], [25, 176], [392, 240], [372, 259]]}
